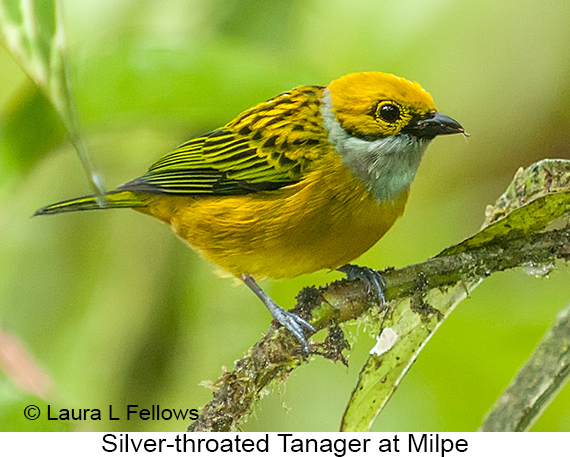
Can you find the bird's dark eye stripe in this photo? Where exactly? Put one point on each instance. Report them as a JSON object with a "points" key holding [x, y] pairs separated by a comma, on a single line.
{"points": [[388, 112]]}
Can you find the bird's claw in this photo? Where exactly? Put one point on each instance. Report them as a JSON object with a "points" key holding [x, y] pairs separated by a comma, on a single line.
{"points": [[295, 324], [372, 279], [290, 321]]}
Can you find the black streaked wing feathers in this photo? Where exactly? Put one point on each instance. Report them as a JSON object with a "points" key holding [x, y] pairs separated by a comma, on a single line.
{"points": [[267, 147], [218, 163]]}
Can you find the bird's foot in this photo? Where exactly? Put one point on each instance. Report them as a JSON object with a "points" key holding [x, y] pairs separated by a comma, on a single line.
{"points": [[291, 321], [372, 279]]}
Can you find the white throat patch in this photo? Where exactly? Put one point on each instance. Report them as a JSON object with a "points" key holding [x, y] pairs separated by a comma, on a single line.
{"points": [[386, 166]]}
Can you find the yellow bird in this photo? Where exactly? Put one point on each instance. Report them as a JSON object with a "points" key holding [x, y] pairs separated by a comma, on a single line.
{"points": [[305, 181]]}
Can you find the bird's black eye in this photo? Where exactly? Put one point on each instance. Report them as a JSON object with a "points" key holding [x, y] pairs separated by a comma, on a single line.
{"points": [[388, 112]]}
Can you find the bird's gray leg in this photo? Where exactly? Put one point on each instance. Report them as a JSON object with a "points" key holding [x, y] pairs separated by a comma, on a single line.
{"points": [[294, 323]]}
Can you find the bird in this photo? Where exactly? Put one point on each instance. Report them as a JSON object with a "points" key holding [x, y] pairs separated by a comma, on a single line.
{"points": [[305, 181]]}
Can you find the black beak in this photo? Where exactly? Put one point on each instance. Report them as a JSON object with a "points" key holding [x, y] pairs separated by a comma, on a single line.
{"points": [[434, 125]]}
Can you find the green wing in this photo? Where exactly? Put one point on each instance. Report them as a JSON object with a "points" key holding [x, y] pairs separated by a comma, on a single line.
{"points": [[272, 145]]}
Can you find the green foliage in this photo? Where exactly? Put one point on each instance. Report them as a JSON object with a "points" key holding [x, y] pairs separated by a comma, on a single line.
{"points": [[30, 112], [33, 32], [120, 312], [538, 197]]}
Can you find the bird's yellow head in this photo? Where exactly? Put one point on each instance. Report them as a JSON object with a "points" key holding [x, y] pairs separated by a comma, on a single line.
{"points": [[380, 125], [376, 105]]}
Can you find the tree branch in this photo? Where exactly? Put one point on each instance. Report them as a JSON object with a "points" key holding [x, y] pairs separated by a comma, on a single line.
{"points": [[419, 297], [236, 392]]}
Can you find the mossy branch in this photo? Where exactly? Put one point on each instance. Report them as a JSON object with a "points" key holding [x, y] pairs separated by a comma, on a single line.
{"points": [[419, 297]]}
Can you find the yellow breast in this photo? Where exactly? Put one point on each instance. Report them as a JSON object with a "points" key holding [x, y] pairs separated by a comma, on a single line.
{"points": [[325, 221]]}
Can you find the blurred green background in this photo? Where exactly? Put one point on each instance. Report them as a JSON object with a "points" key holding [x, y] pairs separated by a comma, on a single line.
{"points": [[115, 310]]}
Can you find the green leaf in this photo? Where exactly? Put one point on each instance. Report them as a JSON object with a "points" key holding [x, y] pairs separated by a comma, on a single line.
{"points": [[33, 33], [29, 112], [538, 382], [537, 197]]}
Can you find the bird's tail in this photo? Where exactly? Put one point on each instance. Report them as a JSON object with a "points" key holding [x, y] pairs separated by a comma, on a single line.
{"points": [[113, 199]]}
